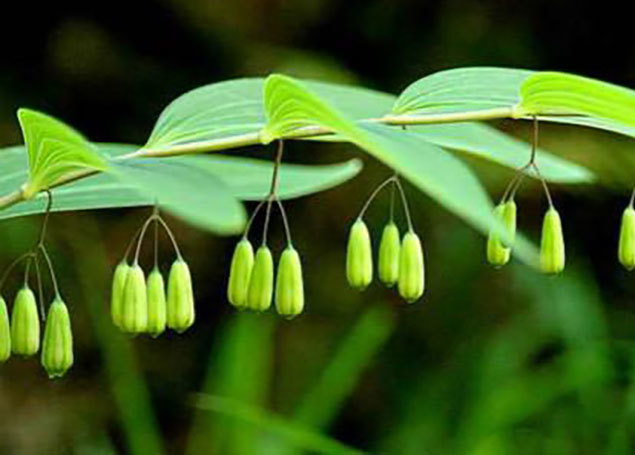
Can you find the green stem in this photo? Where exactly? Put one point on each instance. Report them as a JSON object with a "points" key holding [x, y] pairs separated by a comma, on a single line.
{"points": [[254, 138]]}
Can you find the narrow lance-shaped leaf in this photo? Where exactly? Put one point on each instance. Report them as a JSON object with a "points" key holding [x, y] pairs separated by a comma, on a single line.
{"points": [[246, 178]]}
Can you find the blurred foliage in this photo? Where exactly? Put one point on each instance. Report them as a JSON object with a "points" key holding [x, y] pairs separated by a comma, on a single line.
{"points": [[490, 362]]}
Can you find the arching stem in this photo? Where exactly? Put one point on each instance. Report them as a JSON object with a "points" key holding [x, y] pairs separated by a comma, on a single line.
{"points": [[171, 236], [38, 276], [274, 187], [51, 270], [285, 222], [8, 270], [404, 201], [374, 194]]}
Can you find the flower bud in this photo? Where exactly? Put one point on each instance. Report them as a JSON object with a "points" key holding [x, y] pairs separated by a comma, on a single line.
{"points": [[116, 295], [180, 297], [626, 249], [240, 273], [289, 285], [261, 282], [135, 302], [57, 346], [497, 253], [25, 324], [359, 256], [389, 255], [5, 332], [411, 275], [156, 303], [552, 243]]}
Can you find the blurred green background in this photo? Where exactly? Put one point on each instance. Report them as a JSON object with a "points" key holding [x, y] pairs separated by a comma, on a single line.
{"points": [[488, 362]]}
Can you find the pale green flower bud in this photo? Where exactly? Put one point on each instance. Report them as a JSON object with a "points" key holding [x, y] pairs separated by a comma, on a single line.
{"points": [[389, 255], [289, 285], [135, 302], [180, 297], [5, 332], [359, 256], [25, 324], [626, 249], [261, 282], [240, 273], [497, 253], [552, 243], [57, 347], [157, 306], [411, 274], [116, 295]]}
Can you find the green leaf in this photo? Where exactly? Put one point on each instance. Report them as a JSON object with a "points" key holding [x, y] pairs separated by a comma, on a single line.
{"points": [[228, 108], [296, 435], [289, 105], [486, 142], [553, 93], [235, 107], [199, 198], [54, 149], [246, 178], [476, 89], [461, 90]]}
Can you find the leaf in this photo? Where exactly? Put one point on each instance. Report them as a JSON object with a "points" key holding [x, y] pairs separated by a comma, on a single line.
{"points": [[199, 198], [246, 178], [213, 111], [486, 142], [297, 435], [53, 149], [474, 89], [554, 93], [289, 105], [235, 107], [462, 89]]}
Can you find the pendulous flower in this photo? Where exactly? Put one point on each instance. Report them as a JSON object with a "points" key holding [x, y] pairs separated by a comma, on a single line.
{"points": [[359, 256]]}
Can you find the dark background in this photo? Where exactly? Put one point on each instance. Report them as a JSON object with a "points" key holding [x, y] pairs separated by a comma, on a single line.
{"points": [[490, 361]]}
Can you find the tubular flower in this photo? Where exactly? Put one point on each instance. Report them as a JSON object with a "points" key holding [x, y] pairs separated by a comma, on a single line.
{"points": [[25, 324], [135, 302], [389, 255], [289, 285], [497, 253], [180, 305], [359, 256], [116, 295], [411, 273], [5, 332], [260, 290], [626, 249], [552, 255], [57, 347], [156, 303], [240, 274]]}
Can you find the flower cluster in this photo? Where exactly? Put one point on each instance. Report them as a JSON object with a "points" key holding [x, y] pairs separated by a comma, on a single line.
{"points": [[251, 278], [500, 241], [139, 305], [399, 262], [21, 334]]}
